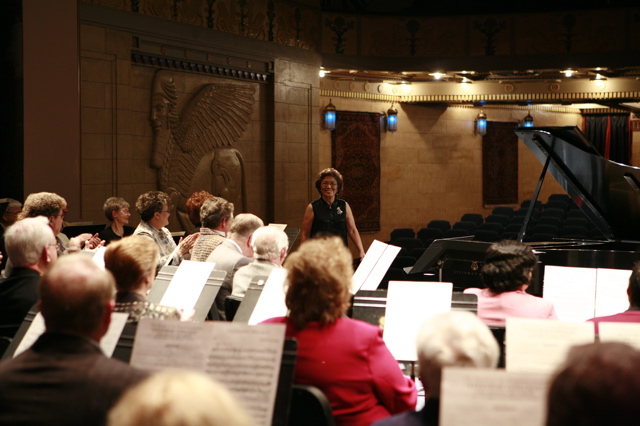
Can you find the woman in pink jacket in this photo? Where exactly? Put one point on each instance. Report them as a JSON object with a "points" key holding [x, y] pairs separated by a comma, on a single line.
{"points": [[345, 358], [506, 275]]}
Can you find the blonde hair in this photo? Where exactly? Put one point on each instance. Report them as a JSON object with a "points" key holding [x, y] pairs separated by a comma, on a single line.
{"points": [[130, 260], [45, 204], [178, 398], [319, 281]]}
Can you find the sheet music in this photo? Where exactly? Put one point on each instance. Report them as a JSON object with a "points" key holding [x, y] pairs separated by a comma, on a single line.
{"points": [[611, 291], [572, 291], [177, 344], [279, 226], [271, 301], [625, 332], [98, 256], [246, 359], [107, 344], [187, 284], [539, 345], [487, 397], [409, 304], [374, 266]]}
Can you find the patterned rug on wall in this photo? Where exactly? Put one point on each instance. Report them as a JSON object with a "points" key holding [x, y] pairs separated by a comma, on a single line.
{"points": [[500, 164], [355, 153]]}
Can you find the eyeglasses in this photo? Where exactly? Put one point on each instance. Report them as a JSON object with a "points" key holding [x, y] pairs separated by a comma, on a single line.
{"points": [[329, 184], [124, 211]]}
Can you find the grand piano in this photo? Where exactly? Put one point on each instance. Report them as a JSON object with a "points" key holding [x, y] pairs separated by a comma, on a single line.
{"points": [[607, 192]]}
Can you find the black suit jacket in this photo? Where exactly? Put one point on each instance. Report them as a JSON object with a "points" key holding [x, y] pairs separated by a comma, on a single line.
{"points": [[18, 293], [64, 379]]}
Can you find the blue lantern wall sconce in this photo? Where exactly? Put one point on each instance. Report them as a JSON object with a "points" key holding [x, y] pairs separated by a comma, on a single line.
{"points": [[392, 119], [528, 120], [330, 116], [480, 124]]}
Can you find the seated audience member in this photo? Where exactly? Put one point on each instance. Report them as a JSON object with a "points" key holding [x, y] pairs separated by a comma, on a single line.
{"points": [[598, 386], [345, 358], [133, 261], [234, 253], [270, 247], [451, 339], [32, 247], [54, 207], [633, 292], [10, 209], [506, 275], [64, 378], [116, 210], [193, 206], [216, 216], [178, 398], [153, 207]]}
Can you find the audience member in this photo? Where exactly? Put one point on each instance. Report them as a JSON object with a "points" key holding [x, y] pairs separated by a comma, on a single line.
{"points": [[598, 386], [54, 207], [345, 358], [270, 247], [133, 261], [178, 398], [216, 216], [451, 339], [10, 209], [506, 275], [633, 293], [116, 210], [193, 206], [234, 253], [32, 247], [64, 378], [153, 207]]}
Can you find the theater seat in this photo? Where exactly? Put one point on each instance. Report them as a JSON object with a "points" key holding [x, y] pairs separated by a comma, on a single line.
{"points": [[310, 407]]}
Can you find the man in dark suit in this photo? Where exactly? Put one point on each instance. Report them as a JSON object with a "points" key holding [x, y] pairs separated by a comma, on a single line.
{"points": [[32, 247], [64, 378], [232, 254]]}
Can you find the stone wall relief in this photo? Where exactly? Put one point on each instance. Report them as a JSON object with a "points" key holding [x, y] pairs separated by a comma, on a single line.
{"points": [[193, 148]]}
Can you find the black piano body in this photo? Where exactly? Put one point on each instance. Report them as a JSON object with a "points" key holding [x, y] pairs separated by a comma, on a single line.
{"points": [[607, 192]]}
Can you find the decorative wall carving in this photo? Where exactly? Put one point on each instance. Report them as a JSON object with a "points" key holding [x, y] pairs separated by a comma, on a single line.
{"points": [[193, 148]]}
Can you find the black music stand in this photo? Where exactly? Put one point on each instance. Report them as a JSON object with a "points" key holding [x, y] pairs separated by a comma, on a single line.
{"points": [[206, 298], [370, 305], [22, 330], [250, 300]]}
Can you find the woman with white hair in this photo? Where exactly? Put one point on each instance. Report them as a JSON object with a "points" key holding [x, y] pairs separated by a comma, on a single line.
{"points": [[450, 339]]}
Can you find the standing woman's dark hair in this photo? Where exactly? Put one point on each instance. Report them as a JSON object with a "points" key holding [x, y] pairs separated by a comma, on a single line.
{"points": [[329, 172], [508, 265]]}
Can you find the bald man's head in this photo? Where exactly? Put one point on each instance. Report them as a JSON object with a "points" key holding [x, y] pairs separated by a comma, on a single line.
{"points": [[75, 296]]}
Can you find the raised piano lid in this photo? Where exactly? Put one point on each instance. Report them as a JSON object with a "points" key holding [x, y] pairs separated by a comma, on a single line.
{"points": [[607, 192]]}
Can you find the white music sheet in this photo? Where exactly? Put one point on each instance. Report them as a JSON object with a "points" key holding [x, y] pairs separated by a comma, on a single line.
{"points": [[625, 332], [187, 284], [98, 256], [538, 345], [279, 226], [107, 344], [572, 291], [611, 291], [486, 397], [409, 304], [374, 266], [246, 359], [271, 301]]}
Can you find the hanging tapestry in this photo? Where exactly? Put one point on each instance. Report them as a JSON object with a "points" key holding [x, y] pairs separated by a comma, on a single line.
{"points": [[355, 153], [500, 164]]}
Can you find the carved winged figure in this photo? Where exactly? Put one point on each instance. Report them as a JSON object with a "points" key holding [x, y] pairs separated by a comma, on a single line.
{"points": [[193, 150]]}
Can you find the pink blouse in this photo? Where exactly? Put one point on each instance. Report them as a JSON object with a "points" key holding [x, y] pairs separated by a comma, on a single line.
{"points": [[494, 309]]}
